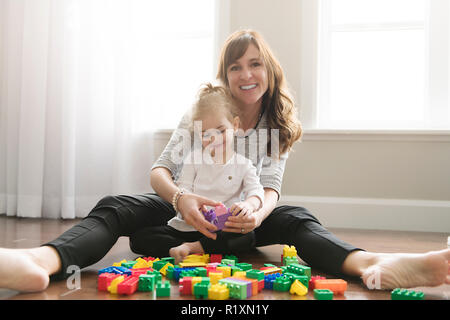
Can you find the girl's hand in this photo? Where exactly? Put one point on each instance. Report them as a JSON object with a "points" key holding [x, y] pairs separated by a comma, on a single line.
{"points": [[190, 206], [242, 223], [241, 208]]}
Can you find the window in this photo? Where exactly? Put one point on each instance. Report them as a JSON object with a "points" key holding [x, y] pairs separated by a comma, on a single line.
{"points": [[383, 64]]}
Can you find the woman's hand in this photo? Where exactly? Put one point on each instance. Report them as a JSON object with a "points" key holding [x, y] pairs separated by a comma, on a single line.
{"points": [[190, 206], [243, 223]]}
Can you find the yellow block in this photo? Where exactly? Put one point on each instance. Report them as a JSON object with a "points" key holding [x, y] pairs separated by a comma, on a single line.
{"points": [[240, 274], [289, 251], [218, 292], [163, 270], [192, 264], [298, 288], [215, 277], [194, 281], [118, 264], [196, 258], [226, 271], [150, 262], [113, 286], [141, 263]]}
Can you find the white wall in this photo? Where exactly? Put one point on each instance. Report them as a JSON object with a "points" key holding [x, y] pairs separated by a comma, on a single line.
{"points": [[383, 180]]}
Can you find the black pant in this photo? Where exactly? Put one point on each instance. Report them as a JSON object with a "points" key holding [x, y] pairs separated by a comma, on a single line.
{"points": [[114, 216]]}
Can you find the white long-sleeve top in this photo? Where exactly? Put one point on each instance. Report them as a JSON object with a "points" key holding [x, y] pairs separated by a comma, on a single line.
{"points": [[232, 182]]}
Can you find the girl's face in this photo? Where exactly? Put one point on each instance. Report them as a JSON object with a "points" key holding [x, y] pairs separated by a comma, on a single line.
{"points": [[247, 77], [218, 132]]}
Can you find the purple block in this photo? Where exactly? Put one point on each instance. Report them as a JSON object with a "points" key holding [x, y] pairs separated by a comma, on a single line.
{"points": [[217, 220]]}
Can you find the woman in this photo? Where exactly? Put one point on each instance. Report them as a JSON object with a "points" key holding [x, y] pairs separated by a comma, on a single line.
{"points": [[255, 79]]}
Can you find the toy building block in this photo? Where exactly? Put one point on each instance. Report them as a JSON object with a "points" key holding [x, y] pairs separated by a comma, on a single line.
{"points": [[303, 279], [163, 289], [229, 262], [151, 262], [238, 289], [216, 258], [146, 282], [255, 274], [215, 276], [238, 274], [157, 265], [170, 274], [114, 283], [140, 263], [201, 272], [104, 280], [231, 257], [128, 286], [289, 251], [282, 284], [312, 281], [192, 264], [201, 290], [117, 270], [289, 260], [186, 286], [226, 271], [404, 294], [138, 272], [338, 286], [195, 280], [217, 216], [244, 266], [119, 264], [163, 270], [270, 279], [271, 270], [299, 269], [169, 259], [298, 288], [218, 292], [323, 294]]}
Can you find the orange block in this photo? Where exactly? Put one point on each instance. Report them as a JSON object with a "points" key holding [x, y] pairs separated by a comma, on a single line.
{"points": [[338, 286]]}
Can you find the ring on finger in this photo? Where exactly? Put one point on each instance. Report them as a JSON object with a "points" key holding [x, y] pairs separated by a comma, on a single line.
{"points": [[242, 230]]}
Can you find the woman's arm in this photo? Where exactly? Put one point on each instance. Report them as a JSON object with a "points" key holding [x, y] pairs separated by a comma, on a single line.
{"points": [[188, 204]]}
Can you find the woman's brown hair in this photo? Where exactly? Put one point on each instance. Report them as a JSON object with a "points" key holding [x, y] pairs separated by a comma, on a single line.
{"points": [[278, 102]]}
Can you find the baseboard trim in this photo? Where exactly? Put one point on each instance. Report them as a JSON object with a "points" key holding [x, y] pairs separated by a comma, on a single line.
{"points": [[376, 213]]}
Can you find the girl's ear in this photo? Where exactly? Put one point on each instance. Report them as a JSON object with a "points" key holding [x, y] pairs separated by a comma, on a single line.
{"points": [[236, 122]]}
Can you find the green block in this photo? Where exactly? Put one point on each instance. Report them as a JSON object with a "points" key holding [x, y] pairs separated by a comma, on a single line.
{"points": [[299, 269], [234, 269], [282, 283], [255, 274], [323, 294], [128, 264], [205, 280], [201, 290], [170, 274], [157, 274], [270, 265], [228, 262], [146, 282], [303, 279], [403, 294], [171, 260], [244, 266], [159, 264], [201, 272], [163, 289], [289, 260], [238, 290], [231, 257]]}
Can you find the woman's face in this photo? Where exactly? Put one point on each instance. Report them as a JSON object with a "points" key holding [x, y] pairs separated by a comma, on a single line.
{"points": [[247, 77]]}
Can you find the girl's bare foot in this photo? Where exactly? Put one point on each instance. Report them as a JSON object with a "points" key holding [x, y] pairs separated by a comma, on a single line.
{"points": [[20, 270], [399, 270], [185, 249]]}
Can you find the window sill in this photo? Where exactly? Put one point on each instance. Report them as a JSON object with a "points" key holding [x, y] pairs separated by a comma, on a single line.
{"points": [[358, 135], [376, 135]]}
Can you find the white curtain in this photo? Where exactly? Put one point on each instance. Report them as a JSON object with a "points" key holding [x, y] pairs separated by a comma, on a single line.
{"points": [[78, 102]]}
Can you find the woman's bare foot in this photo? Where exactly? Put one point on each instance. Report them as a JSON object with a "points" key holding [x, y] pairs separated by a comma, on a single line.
{"points": [[27, 270], [185, 249], [400, 270]]}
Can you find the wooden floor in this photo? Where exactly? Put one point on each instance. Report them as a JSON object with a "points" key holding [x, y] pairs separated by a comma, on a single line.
{"points": [[25, 233]]}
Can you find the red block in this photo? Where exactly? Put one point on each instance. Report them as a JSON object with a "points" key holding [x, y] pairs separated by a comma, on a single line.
{"points": [[186, 286], [260, 285], [215, 258], [128, 286], [313, 280], [210, 269], [104, 280], [138, 271]]}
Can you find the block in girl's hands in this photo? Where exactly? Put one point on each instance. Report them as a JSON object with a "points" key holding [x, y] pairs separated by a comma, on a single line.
{"points": [[218, 216]]}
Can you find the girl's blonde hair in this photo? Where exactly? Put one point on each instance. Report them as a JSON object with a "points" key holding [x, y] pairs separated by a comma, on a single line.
{"points": [[277, 101], [213, 99]]}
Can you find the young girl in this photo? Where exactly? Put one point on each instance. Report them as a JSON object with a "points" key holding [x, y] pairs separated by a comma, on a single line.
{"points": [[221, 174]]}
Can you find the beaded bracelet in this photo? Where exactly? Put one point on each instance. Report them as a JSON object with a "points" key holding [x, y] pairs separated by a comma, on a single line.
{"points": [[175, 198]]}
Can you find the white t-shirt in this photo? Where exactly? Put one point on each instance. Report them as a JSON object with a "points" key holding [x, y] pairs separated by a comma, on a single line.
{"points": [[229, 183]]}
